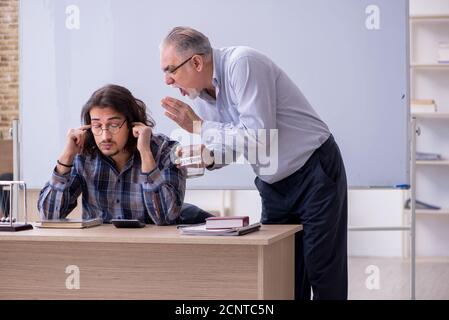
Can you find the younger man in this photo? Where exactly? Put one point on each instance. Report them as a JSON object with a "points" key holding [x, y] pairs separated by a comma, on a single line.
{"points": [[120, 167]]}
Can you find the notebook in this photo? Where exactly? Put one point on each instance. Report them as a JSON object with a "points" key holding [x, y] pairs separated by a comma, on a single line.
{"points": [[70, 223], [200, 230]]}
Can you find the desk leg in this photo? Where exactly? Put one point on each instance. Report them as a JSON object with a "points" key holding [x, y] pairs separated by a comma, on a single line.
{"points": [[276, 274]]}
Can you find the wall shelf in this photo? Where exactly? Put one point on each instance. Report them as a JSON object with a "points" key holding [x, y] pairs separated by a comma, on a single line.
{"points": [[433, 162], [436, 17], [436, 66], [441, 212], [434, 115]]}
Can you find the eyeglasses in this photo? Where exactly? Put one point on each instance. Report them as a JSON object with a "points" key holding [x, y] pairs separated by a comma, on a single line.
{"points": [[172, 71], [113, 128]]}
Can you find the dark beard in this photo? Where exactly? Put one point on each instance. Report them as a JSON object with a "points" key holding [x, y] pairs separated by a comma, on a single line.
{"points": [[114, 154]]}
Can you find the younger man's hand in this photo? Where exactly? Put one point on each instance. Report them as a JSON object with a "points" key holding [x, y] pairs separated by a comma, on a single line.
{"points": [[143, 134], [74, 145], [75, 140]]}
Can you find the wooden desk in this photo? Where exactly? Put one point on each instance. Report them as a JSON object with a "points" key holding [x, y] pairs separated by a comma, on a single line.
{"points": [[149, 263]]}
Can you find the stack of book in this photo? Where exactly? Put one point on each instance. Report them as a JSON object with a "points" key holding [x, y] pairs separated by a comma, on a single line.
{"points": [[443, 52], [423, 106], [222, 226], [201, 230]]}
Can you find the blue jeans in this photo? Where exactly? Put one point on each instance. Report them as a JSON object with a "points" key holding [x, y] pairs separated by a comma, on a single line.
{"points": [[316, 197]]}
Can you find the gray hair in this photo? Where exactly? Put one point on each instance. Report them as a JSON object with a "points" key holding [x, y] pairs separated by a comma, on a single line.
{"points": [[187, 40]]}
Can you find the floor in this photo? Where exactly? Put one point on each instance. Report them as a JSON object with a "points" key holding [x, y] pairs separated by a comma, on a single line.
{"points": [[389, 278]]}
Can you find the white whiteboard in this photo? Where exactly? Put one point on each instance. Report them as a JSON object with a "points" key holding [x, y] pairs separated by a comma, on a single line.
{"points": [[356, 78]]}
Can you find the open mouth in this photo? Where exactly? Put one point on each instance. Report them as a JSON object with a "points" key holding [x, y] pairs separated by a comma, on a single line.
{"points": [[183, 92]]}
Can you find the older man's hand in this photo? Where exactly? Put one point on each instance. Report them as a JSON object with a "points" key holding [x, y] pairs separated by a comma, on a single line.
{"points": [[182, 114]]}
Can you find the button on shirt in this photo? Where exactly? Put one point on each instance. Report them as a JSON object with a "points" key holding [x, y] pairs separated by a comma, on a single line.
{"points": [[154, 197], [254, 93]]}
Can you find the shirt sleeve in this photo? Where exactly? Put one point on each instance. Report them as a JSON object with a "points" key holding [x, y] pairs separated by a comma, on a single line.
{"points": [[59, 196], [163, 190], [254, 85]]}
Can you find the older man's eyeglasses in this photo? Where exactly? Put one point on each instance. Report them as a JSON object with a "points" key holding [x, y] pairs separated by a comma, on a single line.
{"points": [[113, 128], [173, 70]]}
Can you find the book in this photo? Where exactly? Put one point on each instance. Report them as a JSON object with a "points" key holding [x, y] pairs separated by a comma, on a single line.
{"points": [[70, 223], [200, 230], [227, 222], [421, 205], [443, 52], [423, 106], [428, 156]]}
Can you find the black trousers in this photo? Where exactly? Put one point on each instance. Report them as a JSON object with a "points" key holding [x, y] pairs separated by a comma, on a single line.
{"points": [[316, 197]]}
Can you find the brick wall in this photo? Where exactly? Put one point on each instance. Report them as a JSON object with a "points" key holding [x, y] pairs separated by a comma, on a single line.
{"points": [[9, 64]]}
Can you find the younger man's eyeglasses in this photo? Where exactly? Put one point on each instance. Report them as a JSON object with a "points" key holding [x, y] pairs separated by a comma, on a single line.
{"points": [[113, 128]]}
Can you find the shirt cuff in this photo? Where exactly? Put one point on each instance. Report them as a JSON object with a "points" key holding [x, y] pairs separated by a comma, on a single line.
{"points": [[152, 180], [59, 181], [211, 137]]}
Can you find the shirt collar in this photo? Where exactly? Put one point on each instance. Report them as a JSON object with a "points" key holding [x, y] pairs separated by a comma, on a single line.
{"points": [[216, 57], [111, 162], [216, 54]]}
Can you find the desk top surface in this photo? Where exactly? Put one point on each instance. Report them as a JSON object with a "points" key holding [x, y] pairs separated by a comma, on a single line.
{"points": [[267, 235]]}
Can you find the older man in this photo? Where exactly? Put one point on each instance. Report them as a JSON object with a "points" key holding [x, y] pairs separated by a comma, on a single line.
{"points": [[238, 90]]}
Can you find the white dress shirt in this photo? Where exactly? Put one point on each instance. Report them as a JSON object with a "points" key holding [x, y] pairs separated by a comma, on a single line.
{"points": [[254, 93]]}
